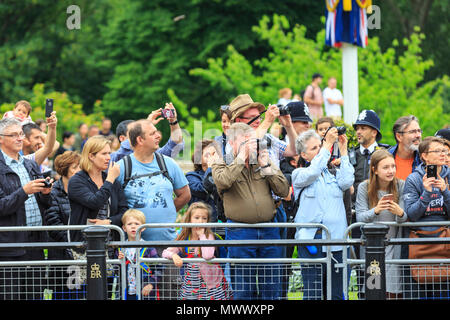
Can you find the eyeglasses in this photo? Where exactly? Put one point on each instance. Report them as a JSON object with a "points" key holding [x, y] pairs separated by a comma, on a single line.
{"points": [[14, 135], [250, 118], [224, 107], [412, 131], [443, 151]]}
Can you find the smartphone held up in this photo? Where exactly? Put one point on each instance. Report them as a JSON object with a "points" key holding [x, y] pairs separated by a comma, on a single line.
{"points": [[48, 108], [167, 113], [432, 171]]}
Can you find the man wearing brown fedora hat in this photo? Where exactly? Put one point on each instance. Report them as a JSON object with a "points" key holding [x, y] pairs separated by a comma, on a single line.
{"points": [[244, 109], [246, 188]]}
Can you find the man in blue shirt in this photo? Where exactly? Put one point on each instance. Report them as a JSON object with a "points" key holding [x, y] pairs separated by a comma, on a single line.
{"points": [[23, 199], [153, 193]]}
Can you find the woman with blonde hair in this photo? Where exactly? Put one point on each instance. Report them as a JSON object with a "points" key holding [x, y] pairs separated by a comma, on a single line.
{"points": [[96, 197], [381, 199]]}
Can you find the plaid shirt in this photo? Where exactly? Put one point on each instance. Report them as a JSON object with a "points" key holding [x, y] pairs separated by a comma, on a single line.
{"points": [[276, 150], [33, 213]]}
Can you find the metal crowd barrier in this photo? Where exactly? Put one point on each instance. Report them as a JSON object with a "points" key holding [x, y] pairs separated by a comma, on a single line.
{"points": [[405, 282], [107, 278]]}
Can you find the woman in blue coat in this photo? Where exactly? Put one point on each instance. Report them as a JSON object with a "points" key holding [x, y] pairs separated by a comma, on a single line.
{"points": [[321, 201], [428, 199]]}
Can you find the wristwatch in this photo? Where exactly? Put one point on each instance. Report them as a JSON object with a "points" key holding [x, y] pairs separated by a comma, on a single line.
{"points": [[266, 166], [173, 123]]}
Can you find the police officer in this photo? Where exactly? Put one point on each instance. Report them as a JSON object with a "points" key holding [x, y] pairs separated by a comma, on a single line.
{"points": [[367, 127]]}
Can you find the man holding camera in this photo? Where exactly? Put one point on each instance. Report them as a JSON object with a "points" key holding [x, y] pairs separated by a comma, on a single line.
{"points": [[244, 110], [246, 186], [24, 196]]}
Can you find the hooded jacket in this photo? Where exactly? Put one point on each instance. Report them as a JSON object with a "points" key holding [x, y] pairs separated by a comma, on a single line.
{"points": [[422, 205]]}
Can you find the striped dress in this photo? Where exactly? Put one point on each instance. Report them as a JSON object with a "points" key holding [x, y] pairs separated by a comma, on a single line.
{"points": [[194, 286]]}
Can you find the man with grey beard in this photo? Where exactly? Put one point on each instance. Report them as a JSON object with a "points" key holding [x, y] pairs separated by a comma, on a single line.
{"points": [[408, 135]]}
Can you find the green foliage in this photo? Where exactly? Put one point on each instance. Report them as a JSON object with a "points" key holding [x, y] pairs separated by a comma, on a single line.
{"points": [[392, 85], [37, 47], [195, 125], [69, 114], [150, 46]]}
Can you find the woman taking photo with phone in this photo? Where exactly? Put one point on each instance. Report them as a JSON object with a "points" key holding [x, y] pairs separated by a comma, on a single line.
{"points": [[96, 197], [381, 199], [427, 199]]}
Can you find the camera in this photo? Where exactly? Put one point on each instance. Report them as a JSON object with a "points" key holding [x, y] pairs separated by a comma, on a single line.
{"points": [[47, 183], [167, 113], [341, 130], [47, 176], [261, 144], [284, 110]]}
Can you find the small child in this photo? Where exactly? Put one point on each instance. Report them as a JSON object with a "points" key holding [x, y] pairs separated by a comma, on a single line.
{"points": [[202, 281], [131, 220], [21, 112], [322, 125]]}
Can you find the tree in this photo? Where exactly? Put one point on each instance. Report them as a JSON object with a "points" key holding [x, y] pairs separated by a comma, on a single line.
{"points": [[400, 17], [150, 46], [392, 85], [69, 114]]}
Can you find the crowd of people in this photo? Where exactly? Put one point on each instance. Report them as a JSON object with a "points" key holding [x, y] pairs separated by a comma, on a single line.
{"points": [[246, 175]]}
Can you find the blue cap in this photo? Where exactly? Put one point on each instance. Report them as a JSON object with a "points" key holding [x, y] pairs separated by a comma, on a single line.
{"points": [[371, 119]]}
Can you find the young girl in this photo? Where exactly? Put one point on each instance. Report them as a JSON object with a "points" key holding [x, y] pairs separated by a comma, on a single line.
{"points": [[202, 281], [381, 199]]}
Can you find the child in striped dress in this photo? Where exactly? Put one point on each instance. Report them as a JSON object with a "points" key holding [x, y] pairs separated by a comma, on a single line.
{"points": [[202, 280]]}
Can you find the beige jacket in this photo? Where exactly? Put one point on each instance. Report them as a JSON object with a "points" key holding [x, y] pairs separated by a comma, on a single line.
{"points": [[247, 193]]}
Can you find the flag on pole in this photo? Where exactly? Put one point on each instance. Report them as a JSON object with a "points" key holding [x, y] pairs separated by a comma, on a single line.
{"points": [[347, 22]]}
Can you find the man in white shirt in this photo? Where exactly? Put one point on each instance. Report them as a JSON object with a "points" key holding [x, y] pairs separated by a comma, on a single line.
{"points": [[333, 99]]}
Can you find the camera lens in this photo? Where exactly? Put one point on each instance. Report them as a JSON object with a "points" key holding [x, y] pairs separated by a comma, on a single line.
{"points": [[341, 130], [284, 110]]}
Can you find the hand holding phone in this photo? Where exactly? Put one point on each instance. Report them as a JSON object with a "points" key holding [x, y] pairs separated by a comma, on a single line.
{"points": [[48, 108], [389, 197]]}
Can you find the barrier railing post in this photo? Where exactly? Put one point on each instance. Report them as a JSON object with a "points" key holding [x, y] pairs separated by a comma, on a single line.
{"points": [[374, 239], [96, 262]]}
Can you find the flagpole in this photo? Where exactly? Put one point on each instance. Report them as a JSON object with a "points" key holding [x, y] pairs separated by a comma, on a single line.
{"points": [[350, 82]]}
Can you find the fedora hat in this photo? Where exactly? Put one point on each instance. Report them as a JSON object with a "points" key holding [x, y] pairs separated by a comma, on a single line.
{"points": [[242, 103]]}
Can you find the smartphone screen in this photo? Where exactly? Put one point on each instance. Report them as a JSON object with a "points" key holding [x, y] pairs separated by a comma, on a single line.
{"points": [[48, 107], [168, 113]]}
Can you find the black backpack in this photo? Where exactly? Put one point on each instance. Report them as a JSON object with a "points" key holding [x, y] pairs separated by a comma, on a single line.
{"points": [[293, 207], [128, 169]]}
